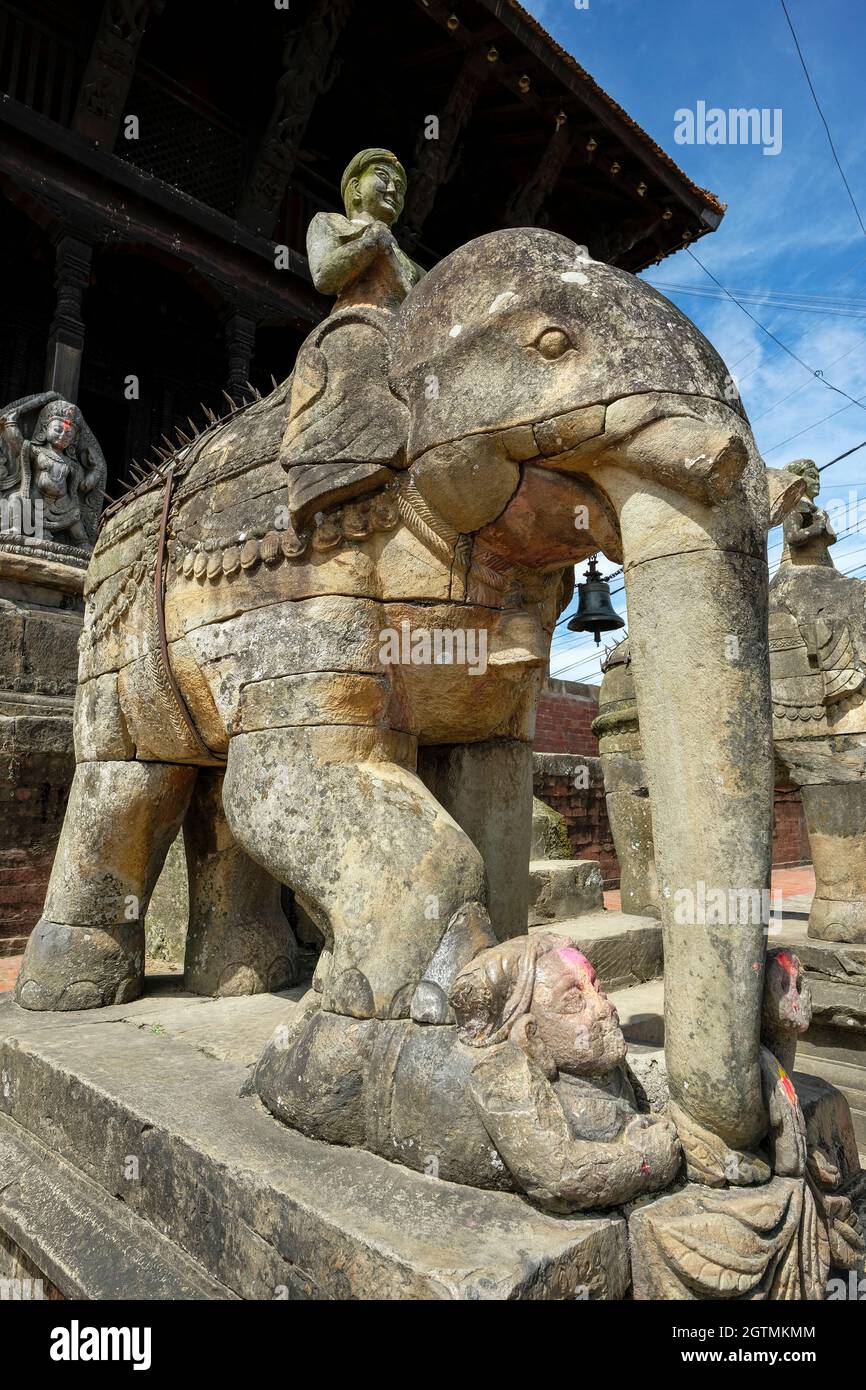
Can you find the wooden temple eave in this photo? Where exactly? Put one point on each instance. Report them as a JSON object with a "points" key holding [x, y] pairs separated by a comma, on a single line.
{"points": [[111, 200], [542, 82]]}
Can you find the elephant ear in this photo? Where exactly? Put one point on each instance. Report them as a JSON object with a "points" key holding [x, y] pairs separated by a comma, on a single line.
{"points": [[347, 427], [785, 490]]}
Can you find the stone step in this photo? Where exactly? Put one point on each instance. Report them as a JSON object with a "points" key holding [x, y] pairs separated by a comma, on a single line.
{"points": [[847, 1077], [624, 949], [85, 1242], [641, 1010], [563, 888], [264, 1211]]}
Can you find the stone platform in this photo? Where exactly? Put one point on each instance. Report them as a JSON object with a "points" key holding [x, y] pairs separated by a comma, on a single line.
{"points": [[131, 1166]]}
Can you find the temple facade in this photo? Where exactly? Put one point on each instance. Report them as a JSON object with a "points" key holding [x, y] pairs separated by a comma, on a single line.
{"points": [[160, 164]]}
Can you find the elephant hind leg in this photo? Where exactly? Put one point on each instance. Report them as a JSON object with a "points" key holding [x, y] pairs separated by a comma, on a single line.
{"points": [[88, 949], [238, 940]]}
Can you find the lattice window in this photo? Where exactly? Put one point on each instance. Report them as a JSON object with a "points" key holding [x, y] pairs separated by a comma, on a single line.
{"points": [[182, 145]]}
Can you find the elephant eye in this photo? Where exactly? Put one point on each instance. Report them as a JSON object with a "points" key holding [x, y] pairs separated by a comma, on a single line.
{"points": [[552, 343]]}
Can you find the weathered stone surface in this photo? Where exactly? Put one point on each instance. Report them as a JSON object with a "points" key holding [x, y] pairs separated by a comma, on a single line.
{"points": [[561, 889], [702, 1243], [40, 621], [165, 922], [51, 652], [80, 1238], [837, 1005], [624, 949], [835, 817], [262, 1210], [828, 1124], [485, 787], [779, 1239], [549, 833], [649, 1077], [325, 698], [239, 940], [100, 728], [834, 961]]}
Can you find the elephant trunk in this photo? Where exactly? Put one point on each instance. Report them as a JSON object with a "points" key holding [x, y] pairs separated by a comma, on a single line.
{"points": [[696, 584]]}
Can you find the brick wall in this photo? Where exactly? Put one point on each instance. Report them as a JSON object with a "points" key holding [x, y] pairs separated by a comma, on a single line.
{"points": [[34, 785], [790, 841], [573, 785], [566, 710]]}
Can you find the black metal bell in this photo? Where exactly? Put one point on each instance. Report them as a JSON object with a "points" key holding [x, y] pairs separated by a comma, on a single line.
{"points": [[595, 612]]}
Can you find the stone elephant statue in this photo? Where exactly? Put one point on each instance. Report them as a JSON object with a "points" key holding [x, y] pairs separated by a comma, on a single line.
{"points": [[316, 636], [817, 639]]}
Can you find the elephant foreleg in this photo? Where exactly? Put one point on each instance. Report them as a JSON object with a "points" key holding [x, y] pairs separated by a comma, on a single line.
{"points": [[88, 949], [696, 582], [340, 816], [238, 941]]}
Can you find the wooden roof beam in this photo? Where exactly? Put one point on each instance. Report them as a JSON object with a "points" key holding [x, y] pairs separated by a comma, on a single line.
{"points": [[591, 96], [309, 70]]}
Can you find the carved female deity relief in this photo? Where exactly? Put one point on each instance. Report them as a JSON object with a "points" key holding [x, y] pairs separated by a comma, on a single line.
{"points": [[52, 475]]}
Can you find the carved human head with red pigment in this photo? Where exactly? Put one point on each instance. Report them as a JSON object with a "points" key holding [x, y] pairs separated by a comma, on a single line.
{"points": [[540, 989], [787, 1003]]}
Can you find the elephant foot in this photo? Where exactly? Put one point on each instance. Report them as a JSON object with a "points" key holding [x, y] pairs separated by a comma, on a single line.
{"points": [[349, 993], [354, 994], [838, 920], [67, 968], [254, 959]]}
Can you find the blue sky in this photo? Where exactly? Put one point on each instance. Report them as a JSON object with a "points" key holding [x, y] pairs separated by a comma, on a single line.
{"points": [[789, 228]]}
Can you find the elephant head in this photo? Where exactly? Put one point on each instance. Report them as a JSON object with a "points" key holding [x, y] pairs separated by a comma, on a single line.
{"points": [[557, 406]]}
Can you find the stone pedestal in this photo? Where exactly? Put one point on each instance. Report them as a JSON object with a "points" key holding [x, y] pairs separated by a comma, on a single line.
{"points": [[41, 611], [218, 1200], [835, 1045]]}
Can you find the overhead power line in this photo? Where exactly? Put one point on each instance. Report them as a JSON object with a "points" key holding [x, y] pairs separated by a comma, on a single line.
{"points": [[807, 428], [823, 117], [847, 454], [753, 419], [794, 302], [817, 374]]}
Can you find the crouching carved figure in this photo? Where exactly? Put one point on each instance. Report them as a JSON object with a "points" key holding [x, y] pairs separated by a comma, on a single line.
{"points": [[525, 1090], [718, 1238]]}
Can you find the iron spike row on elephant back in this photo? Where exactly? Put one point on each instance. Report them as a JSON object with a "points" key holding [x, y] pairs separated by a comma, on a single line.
{"points": [[523, 409]]}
